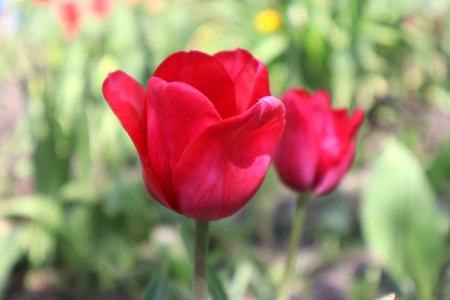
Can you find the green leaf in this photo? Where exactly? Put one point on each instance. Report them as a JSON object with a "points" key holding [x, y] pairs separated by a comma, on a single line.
{"points": [[215, 285], [156, 289], [343, 80], [44, 210], [400, 219], [271, 47], [11, 251], [439, 170], [188, 238], [53, 149]]}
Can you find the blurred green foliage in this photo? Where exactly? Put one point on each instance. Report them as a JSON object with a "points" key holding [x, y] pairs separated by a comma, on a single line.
{"points": [[75, 216], [401, 220]]}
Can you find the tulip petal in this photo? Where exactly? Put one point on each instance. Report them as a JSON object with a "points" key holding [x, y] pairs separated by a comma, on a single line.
{"points": [[333, 175], [204, 73], [153, 186], [126, 98], [342, 121], [300, 138], [223, 167], [176, 113], [345, 133], [332, 132], [250, 77], [319, 110]]}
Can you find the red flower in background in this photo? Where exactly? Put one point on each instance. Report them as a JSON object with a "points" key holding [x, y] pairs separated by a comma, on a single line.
{"points": [[205, 129], [101, 8], [318, 145], [68, 14]]}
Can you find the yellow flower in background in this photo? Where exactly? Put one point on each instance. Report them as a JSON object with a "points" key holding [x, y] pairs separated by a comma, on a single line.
{"points": [[268, 21]]}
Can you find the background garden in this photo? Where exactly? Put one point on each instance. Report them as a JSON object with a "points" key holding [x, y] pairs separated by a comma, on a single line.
{"points": [[77, 223]]}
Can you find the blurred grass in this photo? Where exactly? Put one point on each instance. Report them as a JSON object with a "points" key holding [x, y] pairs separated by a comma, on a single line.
{"points": [[72, 199]]}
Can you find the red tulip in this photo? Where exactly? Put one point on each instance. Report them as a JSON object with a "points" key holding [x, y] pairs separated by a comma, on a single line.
{"points": [[318, 145], [205, 129]]}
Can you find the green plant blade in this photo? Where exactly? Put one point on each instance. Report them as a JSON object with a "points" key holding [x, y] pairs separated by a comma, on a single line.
{"points": [[156, 289], [400, 219], [11, 251], [216, 288], [39, 208]]}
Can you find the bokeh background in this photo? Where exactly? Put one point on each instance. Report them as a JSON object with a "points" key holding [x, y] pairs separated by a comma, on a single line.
{"points": [[77, 223]]}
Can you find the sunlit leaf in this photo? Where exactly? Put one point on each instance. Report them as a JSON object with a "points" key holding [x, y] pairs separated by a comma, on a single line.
{"points": [[41, 209], [271, 47], [400, 219]]}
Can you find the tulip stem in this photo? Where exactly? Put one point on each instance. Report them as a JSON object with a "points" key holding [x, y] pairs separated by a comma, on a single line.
{"points": [[200, 260], [294, 240]]}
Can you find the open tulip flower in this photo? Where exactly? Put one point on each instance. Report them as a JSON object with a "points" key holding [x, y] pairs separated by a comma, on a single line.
{"points": [[318, 145], [205, 129]]}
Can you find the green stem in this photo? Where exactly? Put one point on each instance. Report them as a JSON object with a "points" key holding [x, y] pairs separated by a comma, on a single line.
{"points": [[200, 260], [294, 240]]}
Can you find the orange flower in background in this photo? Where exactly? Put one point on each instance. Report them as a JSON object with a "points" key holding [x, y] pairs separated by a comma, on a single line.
{"points": [[68, 14]]}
